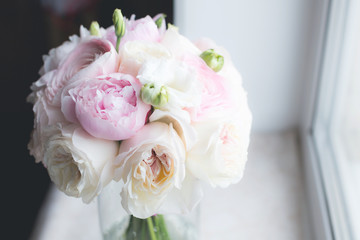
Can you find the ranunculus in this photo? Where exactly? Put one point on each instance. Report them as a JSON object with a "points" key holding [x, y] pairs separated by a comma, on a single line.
{"points": [[78, 163], [107, 107], [220, 154], [179, 79], [152, 166]]}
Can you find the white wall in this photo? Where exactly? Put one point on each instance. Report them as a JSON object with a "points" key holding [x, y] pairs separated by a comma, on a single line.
{"points": [[268, 42]]}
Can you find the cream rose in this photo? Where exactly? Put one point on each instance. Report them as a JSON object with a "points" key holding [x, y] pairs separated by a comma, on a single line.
{"points": [[219, 156], [46, 115], [181, 122], [79, 164], [151, 164]]}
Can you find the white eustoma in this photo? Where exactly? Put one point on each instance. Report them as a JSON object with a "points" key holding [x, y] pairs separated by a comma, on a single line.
{"points": [[134, 53], [179, 79], [78, 163], [177, 44], [220, 154], [152, 166]]}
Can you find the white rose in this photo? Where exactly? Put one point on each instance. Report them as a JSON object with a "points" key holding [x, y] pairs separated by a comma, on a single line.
{"points": [[152, 166], [79, 164], [134, 53], [220, 154], [180, 80]]}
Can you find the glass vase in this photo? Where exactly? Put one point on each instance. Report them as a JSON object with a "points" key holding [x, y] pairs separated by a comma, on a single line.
{"points": [[117, 224]]}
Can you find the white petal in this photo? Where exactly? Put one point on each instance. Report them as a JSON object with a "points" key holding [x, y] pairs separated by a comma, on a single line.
{"points": [[181, 122]]}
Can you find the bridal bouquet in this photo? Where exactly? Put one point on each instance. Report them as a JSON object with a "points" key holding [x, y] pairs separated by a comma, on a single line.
{"points": [[140, 103]]}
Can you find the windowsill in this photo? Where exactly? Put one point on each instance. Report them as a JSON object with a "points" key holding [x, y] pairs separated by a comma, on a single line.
{"points": [[268, 203]]}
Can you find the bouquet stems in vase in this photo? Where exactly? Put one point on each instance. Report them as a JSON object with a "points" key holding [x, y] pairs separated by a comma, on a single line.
{"points": [[117, 224], [140, 116]]}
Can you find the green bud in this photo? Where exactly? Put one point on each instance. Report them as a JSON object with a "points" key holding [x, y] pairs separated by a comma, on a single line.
{"points": [[95, 28], [213, 60], [119, 23], [170, 26], [154, 95], [160, 20]]}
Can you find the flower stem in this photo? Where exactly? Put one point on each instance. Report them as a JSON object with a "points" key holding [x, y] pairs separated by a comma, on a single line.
{"points": [[157, 227], [162, 226], [118, 43], [151, 229], [143, 230], [129, 228]]}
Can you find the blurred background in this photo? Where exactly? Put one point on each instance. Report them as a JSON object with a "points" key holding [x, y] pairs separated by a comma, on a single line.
{"points": [[298, 60]]}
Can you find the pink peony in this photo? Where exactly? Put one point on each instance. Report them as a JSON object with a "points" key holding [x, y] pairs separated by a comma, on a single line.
{"points": [[108, 106]]}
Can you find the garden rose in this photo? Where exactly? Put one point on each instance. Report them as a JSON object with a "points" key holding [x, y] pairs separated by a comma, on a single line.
{"points": [[107, 106], [78, 163], [220, 154], [181, 122], [151, 164], [45, 116]]}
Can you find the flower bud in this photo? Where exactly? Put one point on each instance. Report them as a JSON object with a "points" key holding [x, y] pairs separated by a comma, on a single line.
{"points": [[154, 95], [95, 28], [119, 23], [160, 20], [213, 60]]}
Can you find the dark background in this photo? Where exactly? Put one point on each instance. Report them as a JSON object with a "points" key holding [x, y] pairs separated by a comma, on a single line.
{"points": [[29, 30]]}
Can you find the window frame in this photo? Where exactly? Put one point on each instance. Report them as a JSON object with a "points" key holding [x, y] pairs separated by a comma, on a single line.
{"points": [[328, 216]]}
